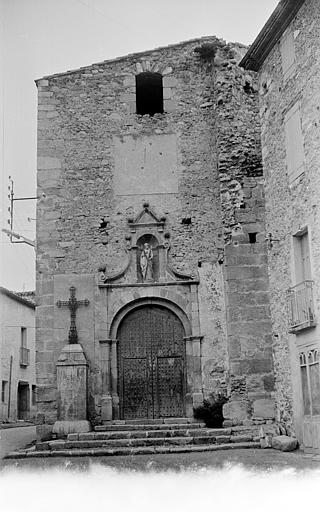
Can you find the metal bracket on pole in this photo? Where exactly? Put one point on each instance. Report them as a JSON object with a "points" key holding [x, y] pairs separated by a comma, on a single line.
{"points": [[21, 239]]}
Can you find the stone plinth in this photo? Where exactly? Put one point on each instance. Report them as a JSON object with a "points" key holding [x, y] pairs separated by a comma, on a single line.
{"points": [[72, 374]]}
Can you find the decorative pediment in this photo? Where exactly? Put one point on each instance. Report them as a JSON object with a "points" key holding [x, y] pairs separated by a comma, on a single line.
{"points": [[146, 219]]}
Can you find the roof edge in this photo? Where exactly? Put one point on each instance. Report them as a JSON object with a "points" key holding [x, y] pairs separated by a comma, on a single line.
{"points": [[270, 34], [138, 54], [18, 298]]}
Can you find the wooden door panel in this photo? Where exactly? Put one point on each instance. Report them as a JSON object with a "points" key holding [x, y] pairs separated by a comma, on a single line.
{"points": [[135, 389], [169, 387], [151, 357]]}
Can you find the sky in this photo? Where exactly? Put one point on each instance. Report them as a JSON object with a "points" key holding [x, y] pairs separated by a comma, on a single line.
{"points": [[43, 37]]}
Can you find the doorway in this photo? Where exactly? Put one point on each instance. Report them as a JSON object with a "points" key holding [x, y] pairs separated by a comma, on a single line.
{"points": [[23, 401], [151, 364]]}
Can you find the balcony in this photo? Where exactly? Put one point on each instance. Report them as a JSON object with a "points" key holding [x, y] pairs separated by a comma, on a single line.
{"points": [[301, 307], [24, 356]]}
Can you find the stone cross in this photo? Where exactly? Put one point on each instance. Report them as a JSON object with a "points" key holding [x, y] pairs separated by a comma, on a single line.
{"points": [[73, 305]]}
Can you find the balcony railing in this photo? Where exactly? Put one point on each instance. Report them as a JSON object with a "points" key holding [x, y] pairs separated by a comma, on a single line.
{"points": [[301, 306], [24, 356]]}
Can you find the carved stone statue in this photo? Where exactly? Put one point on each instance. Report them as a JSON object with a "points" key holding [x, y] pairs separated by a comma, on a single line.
{"points": [[146, 260]]}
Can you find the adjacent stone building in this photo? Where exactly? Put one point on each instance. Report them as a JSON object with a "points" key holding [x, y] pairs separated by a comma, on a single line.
{"points": [[17, 356], [287, 56], [151, 213]]}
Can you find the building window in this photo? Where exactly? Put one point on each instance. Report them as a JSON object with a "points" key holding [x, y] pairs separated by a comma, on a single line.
{"points": [[149, 93], [24, 351], [301, 251], [288, 56], [310, 381], [23, 337], [34, 395], [300, 296], [4, 391], [294, 143]]}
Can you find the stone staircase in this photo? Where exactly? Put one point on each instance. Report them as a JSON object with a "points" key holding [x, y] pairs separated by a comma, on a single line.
{"points": [[145, 437]]}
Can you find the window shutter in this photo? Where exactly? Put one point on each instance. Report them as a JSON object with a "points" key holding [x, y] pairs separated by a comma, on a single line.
{"points": [[287, 54], [294, 143]]}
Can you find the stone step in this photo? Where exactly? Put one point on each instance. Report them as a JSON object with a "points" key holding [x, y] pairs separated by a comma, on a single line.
{"points": [[143, 426], [141, 450], [154, 421], [129, 434], [110, 443], [89, 442]]}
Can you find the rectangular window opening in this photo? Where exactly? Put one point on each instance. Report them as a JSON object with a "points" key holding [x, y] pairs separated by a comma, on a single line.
{"points": [[4, 391], [23, 337], [252, 238]]}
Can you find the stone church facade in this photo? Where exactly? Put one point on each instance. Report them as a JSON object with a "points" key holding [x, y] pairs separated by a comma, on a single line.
{"points": [[151, 253]]}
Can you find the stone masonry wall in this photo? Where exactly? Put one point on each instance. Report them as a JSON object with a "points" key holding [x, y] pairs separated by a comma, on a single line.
{"points": [[86, 126], [290, 206], [251, 382]]}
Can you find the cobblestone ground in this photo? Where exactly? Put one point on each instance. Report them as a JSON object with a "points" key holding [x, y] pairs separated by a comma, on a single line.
{"points": [[253, 460]]}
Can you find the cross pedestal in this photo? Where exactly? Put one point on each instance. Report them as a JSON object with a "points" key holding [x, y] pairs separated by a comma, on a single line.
{"points": [[72, 377]]}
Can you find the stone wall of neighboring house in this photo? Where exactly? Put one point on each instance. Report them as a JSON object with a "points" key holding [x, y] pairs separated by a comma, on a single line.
{"points": [[198, 165], [17, 312], [292, 205]]}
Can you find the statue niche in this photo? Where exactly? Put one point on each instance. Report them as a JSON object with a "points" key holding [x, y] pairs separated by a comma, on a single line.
{"points": [[147, 259]]}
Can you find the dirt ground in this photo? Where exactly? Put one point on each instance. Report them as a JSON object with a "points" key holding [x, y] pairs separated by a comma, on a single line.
{"points": [[257, 460]]}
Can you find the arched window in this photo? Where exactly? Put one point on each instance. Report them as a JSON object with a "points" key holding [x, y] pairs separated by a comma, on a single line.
{"points": [[149, 93]]}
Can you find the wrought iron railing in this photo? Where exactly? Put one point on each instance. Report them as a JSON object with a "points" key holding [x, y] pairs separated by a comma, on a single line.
{"points": [[24, 356], [301, 306]]}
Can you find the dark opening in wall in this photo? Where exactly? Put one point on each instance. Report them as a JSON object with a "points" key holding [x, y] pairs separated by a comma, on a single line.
{"points": [[252, 238], [103, 223], [248, 88], [149, 93]]}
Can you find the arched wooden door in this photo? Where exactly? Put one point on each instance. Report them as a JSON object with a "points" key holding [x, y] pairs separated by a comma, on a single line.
{"points": [[151, 364]]}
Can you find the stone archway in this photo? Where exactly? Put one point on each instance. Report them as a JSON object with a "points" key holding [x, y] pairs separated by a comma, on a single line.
{"points": [[112, 372], [151, 364]]}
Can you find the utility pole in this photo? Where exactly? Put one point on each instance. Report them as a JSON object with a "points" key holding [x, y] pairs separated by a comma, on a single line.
{"points": [[10, 378], [10, 232]]}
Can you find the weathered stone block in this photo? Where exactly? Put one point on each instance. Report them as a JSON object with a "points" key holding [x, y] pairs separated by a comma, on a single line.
{"points": [[169, 106], [266, 442], [235, 410], [167, 94], [44, 432], [129, 81], [264, 408], [169, 81], [284, 443], [72, 384]]}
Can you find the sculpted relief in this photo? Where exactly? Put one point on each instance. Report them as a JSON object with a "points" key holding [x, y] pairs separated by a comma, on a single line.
{"points": [[146, 258], [146, 263]]}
